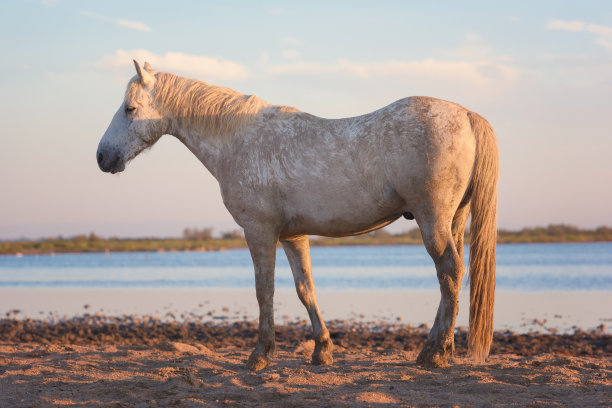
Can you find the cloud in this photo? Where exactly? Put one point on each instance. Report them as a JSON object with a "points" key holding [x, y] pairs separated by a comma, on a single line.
{"points": [[474, 63], [133, 25], [604, 43], [598, 29], [479, 72], [196, 65], [578, 26], [292, 54], [565, 25], [340, 66], [604, 33]]}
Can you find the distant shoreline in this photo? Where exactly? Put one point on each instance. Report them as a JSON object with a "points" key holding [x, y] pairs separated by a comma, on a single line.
{"points": [[93, 244]]}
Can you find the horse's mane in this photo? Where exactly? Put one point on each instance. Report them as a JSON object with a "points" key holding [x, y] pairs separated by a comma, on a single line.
{"points": [[213, 109]]}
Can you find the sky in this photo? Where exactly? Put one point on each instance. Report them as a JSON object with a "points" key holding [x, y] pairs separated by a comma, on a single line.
{"points": [[540, 72]]}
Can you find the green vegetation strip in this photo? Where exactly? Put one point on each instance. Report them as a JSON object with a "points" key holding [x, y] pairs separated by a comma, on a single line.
{"points": [[202, 240]]}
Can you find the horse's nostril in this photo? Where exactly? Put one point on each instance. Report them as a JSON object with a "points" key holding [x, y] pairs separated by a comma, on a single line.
{"points": [[100, 158]]}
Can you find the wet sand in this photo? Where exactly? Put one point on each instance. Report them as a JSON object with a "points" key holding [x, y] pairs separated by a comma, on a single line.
{"points": [[144, 361], [547, 312]]}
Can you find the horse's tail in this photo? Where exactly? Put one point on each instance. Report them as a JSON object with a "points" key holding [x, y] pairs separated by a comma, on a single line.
{"points": [[483, 231]]}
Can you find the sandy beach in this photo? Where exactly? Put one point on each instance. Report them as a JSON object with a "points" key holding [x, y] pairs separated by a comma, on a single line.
{"points": [[128, 361], [130, 347], [187, 347]]}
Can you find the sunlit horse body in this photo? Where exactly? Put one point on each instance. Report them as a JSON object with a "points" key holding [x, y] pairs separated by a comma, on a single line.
{"points": [[286, 174]]}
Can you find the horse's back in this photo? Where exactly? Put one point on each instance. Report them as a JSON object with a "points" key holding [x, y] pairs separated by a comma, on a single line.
{"points": [[419, 151], [417, 137]]}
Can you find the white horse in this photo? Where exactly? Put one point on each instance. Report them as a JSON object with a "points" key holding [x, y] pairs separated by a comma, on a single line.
{"points": [[285, 174]]}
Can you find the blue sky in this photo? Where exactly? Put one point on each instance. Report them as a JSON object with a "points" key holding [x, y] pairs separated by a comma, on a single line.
{"points": [[541, 72]]}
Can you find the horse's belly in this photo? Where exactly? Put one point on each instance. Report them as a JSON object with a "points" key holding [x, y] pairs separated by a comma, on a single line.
{"points": [[347, 212], [338, 227]]}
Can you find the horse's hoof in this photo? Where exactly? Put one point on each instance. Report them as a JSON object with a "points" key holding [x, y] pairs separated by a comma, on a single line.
{"points": [[257, 362], [322, 358], [430, 358], [322, 354]]}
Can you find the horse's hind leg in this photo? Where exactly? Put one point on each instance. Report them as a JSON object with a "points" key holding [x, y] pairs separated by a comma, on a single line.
{"points": [[298, 254], [441, 243], [458, 227]]}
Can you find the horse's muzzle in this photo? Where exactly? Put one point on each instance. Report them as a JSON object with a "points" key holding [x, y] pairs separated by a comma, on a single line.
{"points": [[110, 162]]}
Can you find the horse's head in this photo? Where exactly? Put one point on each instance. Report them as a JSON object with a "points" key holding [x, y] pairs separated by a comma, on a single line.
{"points": [[137, 125]]}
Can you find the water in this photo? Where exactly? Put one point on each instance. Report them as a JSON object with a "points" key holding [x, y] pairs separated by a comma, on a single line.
{"points": [[521, 267]]}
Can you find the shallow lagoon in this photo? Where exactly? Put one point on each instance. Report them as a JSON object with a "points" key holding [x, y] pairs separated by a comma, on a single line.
{"points": [[523, 267]]}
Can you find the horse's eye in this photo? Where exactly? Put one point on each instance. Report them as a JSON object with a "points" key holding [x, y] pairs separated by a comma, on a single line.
{"points": [[130, 109]]}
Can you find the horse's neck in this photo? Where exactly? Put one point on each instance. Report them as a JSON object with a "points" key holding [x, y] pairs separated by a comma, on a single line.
{"points": [[207, 149], [212, 148]]}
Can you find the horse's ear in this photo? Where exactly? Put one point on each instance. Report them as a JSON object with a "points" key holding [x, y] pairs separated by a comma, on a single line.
{"points": [[144, 76], [148, 66]]}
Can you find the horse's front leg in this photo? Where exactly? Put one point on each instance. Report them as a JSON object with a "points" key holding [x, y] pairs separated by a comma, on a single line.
{"points": [[263, 252], [298, 254]]}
